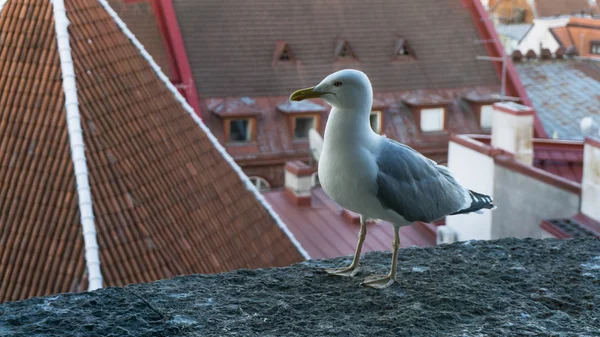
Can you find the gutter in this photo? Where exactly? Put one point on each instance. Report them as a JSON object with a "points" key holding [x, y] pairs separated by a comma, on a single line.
{"points": [[92, 256]]}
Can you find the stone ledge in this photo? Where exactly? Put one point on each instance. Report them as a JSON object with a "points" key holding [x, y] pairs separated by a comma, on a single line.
{"points": [[477, 288]]}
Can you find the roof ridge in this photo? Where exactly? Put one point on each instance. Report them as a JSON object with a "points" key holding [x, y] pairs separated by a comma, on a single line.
{"points": [[121, 24], [80, 169]]}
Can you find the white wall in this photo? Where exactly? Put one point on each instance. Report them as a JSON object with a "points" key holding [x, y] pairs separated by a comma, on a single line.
{"points": [[523, 202], [540, 33], [590, 204], [475, 171]]}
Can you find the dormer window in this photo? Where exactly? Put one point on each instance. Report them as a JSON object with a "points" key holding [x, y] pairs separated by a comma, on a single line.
{"points": [[302, 125], [375, 120], [239, 116], [485, 116], [302, 116], [261, 184], [283, 53], [343, 51], [240, 130], [402, 51], [595, 47], [432, 119]]}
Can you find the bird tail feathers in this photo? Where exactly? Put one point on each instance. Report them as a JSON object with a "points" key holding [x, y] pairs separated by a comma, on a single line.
{"points": [[479, 202]]}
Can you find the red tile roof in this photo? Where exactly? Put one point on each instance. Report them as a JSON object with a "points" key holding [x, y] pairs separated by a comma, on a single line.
{"points": [[325, 233], [166, 200], [579, 33], [544, 8], [141, 20]]}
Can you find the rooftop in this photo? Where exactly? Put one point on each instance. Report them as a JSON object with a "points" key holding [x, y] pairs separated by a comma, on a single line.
{"points": [[502, 288], [514, 31], [546, 8], [325, 230], [399, 120], [562, 92], [579, 33], [162, 188], [562, 159], [233, 55]]}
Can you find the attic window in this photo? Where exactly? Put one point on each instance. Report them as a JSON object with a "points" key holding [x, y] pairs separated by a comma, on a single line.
{"points": [[402, 50], [485, 116], [343, 51], [432, 119], [595, 47], [261, 184], [239, 130], [302, 125], [375, 120], [283, 53]]}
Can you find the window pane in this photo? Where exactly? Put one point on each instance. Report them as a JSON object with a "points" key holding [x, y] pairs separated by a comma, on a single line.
{"points": [[432, 120], [303, 124], [239, 130], [374, 119], [486, 116]]}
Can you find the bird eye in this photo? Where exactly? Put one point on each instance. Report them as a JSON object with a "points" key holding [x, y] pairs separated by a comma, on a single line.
{"points": [[337, 84]]}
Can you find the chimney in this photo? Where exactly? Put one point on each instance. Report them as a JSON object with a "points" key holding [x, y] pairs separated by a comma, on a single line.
{"points": [[590, 185], [298, 182], [512, 130]]}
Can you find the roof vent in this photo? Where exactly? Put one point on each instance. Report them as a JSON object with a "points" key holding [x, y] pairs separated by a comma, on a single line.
{"points": [[283, 53], [571, 51], [517, 56], [402, 50], [560, 52], [343, 51], [531, 55], [545, 54]]}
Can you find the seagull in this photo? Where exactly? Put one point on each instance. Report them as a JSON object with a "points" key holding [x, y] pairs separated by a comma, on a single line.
{"points": [[378, 177]]}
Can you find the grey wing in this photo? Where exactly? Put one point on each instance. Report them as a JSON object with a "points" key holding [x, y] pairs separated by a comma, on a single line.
{"points": [[416, 187]]}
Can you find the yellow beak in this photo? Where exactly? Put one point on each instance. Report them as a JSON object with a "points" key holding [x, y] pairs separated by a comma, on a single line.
{"points": [[302, 94]]}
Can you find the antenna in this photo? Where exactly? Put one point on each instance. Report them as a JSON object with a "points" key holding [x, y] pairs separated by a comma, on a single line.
{"points": [[503, 59]]}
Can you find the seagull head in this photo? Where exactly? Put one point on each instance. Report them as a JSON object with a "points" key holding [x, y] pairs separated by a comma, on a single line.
{"points": [[346, 89]]}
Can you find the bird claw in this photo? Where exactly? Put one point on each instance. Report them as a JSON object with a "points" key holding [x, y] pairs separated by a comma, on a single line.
{"points": [[346, 272], [378, 281]]}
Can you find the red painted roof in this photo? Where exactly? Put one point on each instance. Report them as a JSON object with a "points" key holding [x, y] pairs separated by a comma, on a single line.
{"points": [[274, 137], [576, 226], [324, 233]]}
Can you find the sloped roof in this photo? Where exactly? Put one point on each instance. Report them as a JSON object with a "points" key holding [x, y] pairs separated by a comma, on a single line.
{"points": [[141, 20], [579, 33], [230, 44], [545, 8], [166, 197], [514, 31], [563, 92]]}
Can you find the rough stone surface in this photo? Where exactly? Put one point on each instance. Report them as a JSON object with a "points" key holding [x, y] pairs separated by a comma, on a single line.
{"points": [[506, 287]]}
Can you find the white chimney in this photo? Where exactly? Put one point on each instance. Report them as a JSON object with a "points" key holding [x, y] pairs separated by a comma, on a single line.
{"points": [[590, 185], [298, 182], [512, 130]]}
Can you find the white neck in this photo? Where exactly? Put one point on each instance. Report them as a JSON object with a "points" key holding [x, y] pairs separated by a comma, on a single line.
{"points": [[347, 129]]}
